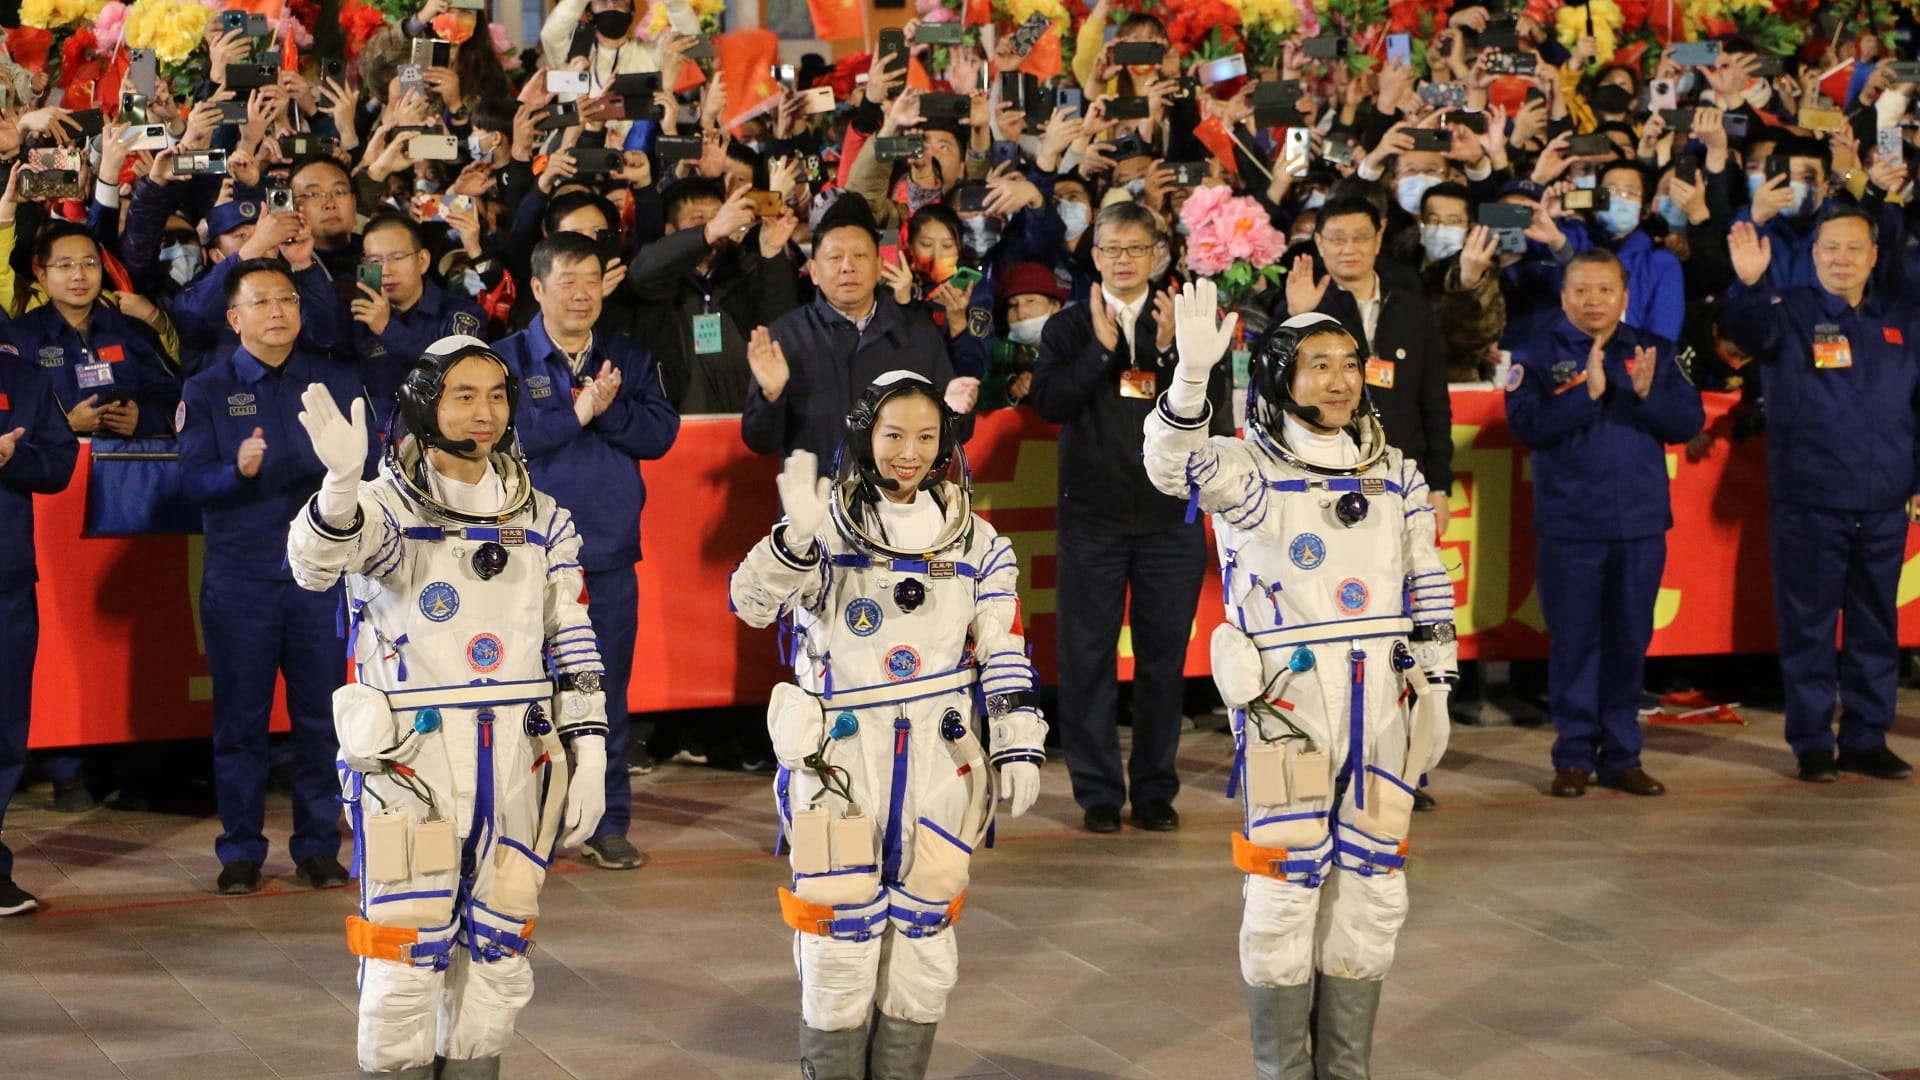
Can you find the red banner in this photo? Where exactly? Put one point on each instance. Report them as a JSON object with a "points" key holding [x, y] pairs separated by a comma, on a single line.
{"points": [[838, 20], [745, 60], [121, 660]]}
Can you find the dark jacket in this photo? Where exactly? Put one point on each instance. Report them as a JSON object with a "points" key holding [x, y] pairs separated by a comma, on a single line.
{"points": [[594, 470], [1599, 467], [200, 314], [42, 461], [119, 355], [1076, 384], [385, 358], [1840, 438], [830, 362], [742, 288]]}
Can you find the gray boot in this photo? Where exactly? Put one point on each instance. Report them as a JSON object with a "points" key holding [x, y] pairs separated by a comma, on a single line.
{"points": [[1279, 1016], [468, 1068], [1343, 1027], [833, 1055], [901, 1049]]}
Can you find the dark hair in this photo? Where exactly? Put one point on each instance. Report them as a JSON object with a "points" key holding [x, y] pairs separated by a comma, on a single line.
{"points": [[1598, 256], [393, 219], [474, 60], [935, 214], [309, 163], [494, 114], [748, 156], [1445, 190], [57, 231], [563, 247], [691, 190], [1846, 212], [1807, 146], [1647, 178], [1344, 206], [1154, 27], [250, 268], [567, 202]]}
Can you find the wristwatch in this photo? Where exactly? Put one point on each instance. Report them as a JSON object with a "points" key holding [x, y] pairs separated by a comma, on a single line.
{"points": [[585, 682], [1440, 632], [1001, 704]]}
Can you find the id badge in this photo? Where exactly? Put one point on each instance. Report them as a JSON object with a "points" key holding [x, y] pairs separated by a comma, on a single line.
{"points": [[94, 375], [1139, 384], [706, 334], [1835, 352], [1380, 373]]}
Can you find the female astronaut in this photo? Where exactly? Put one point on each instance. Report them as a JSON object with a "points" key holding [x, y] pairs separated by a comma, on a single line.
{"points": [[904, 623]]}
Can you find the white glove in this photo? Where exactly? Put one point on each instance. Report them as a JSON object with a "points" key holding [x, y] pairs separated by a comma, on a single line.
{"points": [[341, 445], [803, 498], [1019, 786], [1202, 338], [1440, 721], [586, 790]]}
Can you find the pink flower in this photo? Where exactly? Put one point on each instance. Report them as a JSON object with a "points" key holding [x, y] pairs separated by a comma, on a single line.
{"points": [[503, 44], [302, 37], [941, 15], [1203, 206], [1207, 256], [1309, 19], [108, 28]]}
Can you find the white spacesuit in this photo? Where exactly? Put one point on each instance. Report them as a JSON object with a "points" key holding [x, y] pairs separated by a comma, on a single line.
{"points": [[903, 630], [1335, 659], [475, 673]]}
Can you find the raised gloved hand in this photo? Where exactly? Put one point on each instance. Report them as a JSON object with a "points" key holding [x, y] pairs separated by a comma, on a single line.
{"points": [[803, 498], [341, 445], [586, 790], [1019, 786], [1202, 338]]}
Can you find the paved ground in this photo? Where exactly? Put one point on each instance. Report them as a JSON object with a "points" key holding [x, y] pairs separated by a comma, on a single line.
{"points": [[1743, 926]]}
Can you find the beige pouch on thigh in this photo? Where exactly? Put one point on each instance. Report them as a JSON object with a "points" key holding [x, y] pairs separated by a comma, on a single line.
{"points": [[941, 866], [1389, 811], [516, 883]]}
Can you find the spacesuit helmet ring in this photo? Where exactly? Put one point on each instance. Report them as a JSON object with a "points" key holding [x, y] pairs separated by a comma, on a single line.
{"points": [[421, 390], [859, 480], [1270, 373]]}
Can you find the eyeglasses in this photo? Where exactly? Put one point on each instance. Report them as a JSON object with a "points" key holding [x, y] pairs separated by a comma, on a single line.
{"points": [[289, 301], [335, 193], [1345, 240], [1126, 251], [398, 258], [67, 266]]}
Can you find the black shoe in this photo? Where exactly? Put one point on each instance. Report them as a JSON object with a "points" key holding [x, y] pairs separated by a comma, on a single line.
{"points": [[15, 900], [1423, 801], [321, 872], [72, 796], [239, 877], [1817, 767], [1101, 819], [1879, 763], [1156, 816], [640, 763], [612, 852]]}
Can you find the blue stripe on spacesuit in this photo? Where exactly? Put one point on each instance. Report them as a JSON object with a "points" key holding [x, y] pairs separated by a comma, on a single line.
{"points": [[1345, 483], [524, 850], [902, 735], [428, 894], [1356, 728]]}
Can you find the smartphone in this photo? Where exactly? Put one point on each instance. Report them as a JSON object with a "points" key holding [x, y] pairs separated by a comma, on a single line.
{"points": [[258, 26], [598, 159], [233, 20], [1014, 90], [892, 53], [1475, 122], [1399, 48], [581, 44], [432, 52], [1219, 71], [233, 112], [1905, 71], [783, 74], [148, 137], [701, 49], [200, 163], [90, 121], [1338, 152], [1029, 33], [1069, 97], [50, 184], [143, 70], [1593, 145], [133, 108], [964, 279], [468, 5], [1297, 151], [1890, 142], [1188, 173], [1128, 108], [1511, 63], [1735, 124], [899, 147], [970, 200], [641, 84], [1324, 47], [1443, 95], [1502, 32], [1138, 53], [945, 106], [306, 146], [561, 114], [412, 79], [819, 99], [1126, 147], [940, 33], [1499, 215], [369, 275], [1004, 151], [672, 148], [433, 148], [1769, 66], [1686, 168], [269, 57], [1594, 199], [1694, 53], [1431, 140], [1822, 119], [1678, 120], [1779, 165], [569, 82]]}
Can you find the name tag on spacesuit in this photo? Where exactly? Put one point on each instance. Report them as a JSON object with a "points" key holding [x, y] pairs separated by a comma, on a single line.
{"points": [[1380, 373], [706, 334], [94, 375], [1139, 384], [1831, 349], [1311, 775]]}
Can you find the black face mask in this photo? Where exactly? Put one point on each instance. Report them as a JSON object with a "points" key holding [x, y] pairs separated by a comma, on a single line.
{"points": [[612, 24]]}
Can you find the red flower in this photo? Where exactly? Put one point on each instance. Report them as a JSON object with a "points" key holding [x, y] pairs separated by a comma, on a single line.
{"points": [[1191, 24], [361, 20], [843, 73], [1405, 16], [1633, 15]]}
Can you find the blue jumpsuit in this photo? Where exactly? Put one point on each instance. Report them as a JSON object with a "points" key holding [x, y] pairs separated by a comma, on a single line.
{"points": [[258, 624], [41, 464], [594, 472], [386, 357], [1842, 444], [119, 354], [1601, 514]]}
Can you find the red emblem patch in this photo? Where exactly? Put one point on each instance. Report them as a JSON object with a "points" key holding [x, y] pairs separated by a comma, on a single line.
{"points": [[1893, 335]]}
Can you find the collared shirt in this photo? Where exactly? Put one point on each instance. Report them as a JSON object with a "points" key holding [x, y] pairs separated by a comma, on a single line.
{"points": [[1370, 308], [863, 321], [1126, 315], [118, 354]]}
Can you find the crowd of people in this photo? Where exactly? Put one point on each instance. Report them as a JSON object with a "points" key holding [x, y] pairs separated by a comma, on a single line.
{"points": [[1483, 198]]}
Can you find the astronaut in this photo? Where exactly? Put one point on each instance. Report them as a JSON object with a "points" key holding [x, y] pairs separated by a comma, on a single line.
{"points": [[904, 626], [467, 714], [1337, 606]]}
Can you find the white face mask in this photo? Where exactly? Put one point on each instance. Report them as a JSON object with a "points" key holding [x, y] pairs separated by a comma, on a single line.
{"points": [[1441, 241], [183, 262], [471, 283], [1074, 215], [475, 149], [1411, 189], [1027, 331], [1586, 183]]}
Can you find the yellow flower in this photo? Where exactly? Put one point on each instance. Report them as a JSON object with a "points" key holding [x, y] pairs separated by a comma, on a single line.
{"points": [[1571, 24], [37, 13], [1275, 16], [173, 29], [1019, 11]]}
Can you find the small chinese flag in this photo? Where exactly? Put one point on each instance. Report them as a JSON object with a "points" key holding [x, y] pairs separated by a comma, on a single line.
{"points": [[270, 8], [289, 52], [690, 77], [838, 20], [110, 80], [917, 77], [746, 59], [1213, 135], [978, 13], [1044, 61]]}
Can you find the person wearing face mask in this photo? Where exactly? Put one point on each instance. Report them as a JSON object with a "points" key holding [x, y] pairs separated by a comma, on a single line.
{"points": [[1456, 268], [1787, 208], [615, 50], [1657, 301], [1028, 296], [937, 249]]}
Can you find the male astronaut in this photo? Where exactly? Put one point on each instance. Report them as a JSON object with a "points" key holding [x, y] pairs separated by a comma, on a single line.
{"points": [[905, 617], [1336, 604], [464, 584]]}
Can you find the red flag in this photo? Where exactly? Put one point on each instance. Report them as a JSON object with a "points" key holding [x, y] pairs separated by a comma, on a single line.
{"points": [[29, 46], [690, 77], [270, 8], [978, 13], [1213, 135], [746, 59], [289, 52], [838, 20], [1833, 84], [110, 80], [917, 77], [1044, 62]]}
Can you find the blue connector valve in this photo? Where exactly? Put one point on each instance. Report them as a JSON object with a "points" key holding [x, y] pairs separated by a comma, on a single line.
{"points": [[1351, 509], [1402, 659], [845, 725], [1301, 660], [951, 726], [426, 721]]}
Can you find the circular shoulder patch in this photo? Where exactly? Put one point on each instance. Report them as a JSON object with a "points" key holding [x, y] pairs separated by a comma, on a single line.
{"points": [[903, 662], [439, 601], [248, 210], [1516, 371], [485, 652], [863, 617], [180, 416], [465, 322], [1307, 551]]}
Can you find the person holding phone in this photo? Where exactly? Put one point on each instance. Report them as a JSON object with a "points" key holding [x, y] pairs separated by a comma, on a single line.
{"points": [[397, 309], [941, 278]]}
